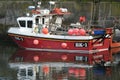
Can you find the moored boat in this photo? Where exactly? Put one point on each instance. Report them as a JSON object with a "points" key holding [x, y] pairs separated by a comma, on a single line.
{"points": [[43, 30]]}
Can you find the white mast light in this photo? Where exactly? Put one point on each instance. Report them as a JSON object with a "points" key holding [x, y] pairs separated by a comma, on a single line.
{"points": [[52, 2], [39, 3]]}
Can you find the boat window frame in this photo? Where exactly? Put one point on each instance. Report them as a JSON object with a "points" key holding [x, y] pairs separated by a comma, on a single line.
{"points": [[22, 72], [29, 25], [25, 20], [30, 71], [22, 23], [43, 20], [40, 20], [37, 20]]}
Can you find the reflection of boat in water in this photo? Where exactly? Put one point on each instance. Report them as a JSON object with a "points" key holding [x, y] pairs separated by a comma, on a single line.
{"points": [[43, 30], [25, 56], [31, 64], [116, 55], [53, 65], [102, 72]]}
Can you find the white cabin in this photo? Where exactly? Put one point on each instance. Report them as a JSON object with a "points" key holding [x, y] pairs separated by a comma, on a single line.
{"points": [[39, 21]]}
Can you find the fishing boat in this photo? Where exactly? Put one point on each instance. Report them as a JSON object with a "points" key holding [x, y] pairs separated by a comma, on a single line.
{"points": [[43, 30]]}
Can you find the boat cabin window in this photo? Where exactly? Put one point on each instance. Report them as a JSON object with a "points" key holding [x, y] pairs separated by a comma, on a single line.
{"points": [[40, 20], [37, 21], [29, 24], [23, 72], [22, 23], [30, 72], [43, 20]]}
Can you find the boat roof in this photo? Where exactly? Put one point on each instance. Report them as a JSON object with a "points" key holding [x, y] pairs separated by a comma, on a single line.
{"points": [[31, 17], [24, 18]]}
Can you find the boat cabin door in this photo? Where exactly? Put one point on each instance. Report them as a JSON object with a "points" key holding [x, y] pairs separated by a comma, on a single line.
{"points": [[42, 20]]}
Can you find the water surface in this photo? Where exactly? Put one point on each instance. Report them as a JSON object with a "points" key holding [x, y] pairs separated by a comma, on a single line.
{"points": [[16, 65]]}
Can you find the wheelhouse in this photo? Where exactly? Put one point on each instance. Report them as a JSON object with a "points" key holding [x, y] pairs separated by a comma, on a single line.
{"points": [[25, 22], [30, 22]]}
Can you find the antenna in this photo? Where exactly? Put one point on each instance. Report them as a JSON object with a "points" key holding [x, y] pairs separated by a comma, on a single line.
{"points": [[51, 3], [95, 14], [39, 4]]}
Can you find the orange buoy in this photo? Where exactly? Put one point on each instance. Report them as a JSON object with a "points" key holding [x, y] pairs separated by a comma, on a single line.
{"points": [[36, 42], [82, 19], [76, 72], [36, 58], [75, 31], [71, 71], [82, 32], [45, 30], [64, 45], [70, 31], [64, 57], [46, 69], [82, 72]]}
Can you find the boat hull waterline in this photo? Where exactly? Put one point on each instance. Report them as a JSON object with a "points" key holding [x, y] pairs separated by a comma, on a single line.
{"points": [[61, 45]]}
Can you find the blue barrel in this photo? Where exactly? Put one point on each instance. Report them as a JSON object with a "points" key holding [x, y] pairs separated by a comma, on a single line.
{"points": [[99, 32]]}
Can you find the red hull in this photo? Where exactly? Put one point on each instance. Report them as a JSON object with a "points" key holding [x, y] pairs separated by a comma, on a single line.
{"points": [[48, 44], [40, 57]]}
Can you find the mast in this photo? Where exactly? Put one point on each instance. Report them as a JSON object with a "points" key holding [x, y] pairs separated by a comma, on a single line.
{"points": [[95, 14], [35, 2]]}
